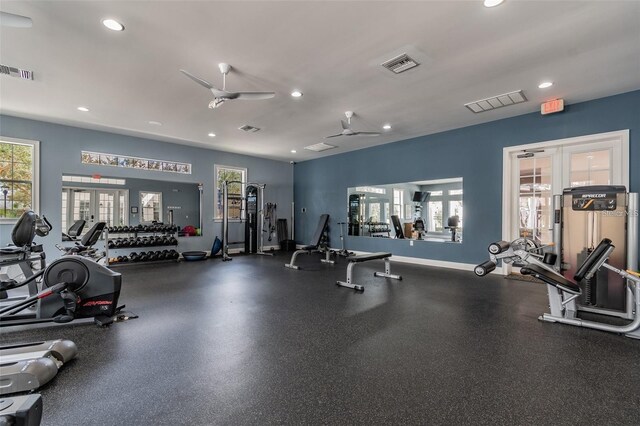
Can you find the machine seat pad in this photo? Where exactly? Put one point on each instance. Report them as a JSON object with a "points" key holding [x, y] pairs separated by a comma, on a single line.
{"points": [[551, 278], [11, 250], [366, 257], [308, 248]]}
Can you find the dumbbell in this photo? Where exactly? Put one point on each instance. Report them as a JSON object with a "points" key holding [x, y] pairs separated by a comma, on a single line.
{"points": [[135, 257], [144, 257], [111, 244], [173, 241]]}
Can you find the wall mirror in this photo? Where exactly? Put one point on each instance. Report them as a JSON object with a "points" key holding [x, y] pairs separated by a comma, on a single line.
{"points": [[428, 210], [129, 202]]}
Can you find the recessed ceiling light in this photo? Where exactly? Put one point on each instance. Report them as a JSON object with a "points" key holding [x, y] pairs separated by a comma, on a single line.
{"points": [[83, 109], [545, 84], [212, 135], [293, 151], [492, 3], [387, 126], [112, 24], [296, 93], [155, 123]]}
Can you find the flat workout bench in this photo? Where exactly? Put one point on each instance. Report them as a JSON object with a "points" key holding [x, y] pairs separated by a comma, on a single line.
{"points": [[353, 260]]}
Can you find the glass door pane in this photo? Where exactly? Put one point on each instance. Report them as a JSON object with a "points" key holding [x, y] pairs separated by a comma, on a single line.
{"points": [[106, 207], [535, 198], [590, 168]]}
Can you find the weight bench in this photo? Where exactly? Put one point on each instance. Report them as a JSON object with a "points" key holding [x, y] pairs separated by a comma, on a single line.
{"points": [[353, 260], [313, 245]]}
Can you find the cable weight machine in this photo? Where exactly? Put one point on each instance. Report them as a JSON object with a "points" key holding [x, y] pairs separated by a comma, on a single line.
{"points": [[253, 205]]}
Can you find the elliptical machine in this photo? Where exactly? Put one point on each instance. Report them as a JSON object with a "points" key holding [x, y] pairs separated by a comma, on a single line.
{"points": [[72, 287]]}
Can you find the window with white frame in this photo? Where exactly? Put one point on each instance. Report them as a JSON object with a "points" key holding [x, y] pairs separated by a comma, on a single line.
{"points": [[18, 177], [398, 202], [236, 178], [151, 206]]}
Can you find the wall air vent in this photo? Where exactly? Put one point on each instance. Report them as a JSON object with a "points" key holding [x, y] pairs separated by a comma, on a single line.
{"points": [[495, 102], [16, 72], [248, 128], [400, 63], [319, 147]]}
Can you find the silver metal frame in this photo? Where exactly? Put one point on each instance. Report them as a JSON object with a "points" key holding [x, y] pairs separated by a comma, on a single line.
{"points": [[292, 262], [386, 274], [563, 306]]}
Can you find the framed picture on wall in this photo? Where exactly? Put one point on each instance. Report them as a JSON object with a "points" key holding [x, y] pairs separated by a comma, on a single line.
{"points": [[134, 210]]}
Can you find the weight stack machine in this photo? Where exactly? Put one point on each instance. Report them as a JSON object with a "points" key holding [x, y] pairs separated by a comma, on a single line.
{"points": [[583, 217]]}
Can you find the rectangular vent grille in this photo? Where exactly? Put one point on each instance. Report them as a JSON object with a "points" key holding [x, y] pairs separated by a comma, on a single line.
{"points": [[319, 147], [248, 128], [16, 72], [400, 63], [495, 102]]}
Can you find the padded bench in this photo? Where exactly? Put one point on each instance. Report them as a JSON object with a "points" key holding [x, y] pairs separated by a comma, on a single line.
{"points": [[551, 278], [353, 260], [313, 246]]}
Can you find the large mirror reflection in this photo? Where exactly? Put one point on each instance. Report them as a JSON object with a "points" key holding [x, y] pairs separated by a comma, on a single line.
{"points": [[128, 202], [429, 210]]}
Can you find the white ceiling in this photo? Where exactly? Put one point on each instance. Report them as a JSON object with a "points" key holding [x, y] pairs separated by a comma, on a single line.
{"points": [[331, 51]]}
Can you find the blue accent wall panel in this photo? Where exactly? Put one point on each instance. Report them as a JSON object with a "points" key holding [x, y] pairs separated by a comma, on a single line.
{"points": [[60, 148], [473, 153]]}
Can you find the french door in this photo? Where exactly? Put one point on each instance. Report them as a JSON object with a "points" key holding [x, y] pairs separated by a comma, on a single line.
{"points": [[94, 205], [540, 172]]}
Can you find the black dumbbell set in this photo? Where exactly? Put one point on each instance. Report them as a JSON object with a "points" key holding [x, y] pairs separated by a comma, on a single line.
{"points": [[146, 241], [142, 228], [146, 256]]}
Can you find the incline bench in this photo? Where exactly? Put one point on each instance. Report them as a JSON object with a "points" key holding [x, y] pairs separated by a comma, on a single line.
{"points": [[313, 245], [353, 260]]}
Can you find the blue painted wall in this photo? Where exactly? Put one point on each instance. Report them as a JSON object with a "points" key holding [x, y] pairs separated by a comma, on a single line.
{"points": [[60, 148], [474, 153]]}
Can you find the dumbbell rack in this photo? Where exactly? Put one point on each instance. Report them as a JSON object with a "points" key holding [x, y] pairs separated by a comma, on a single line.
{"points": [[134, 233]]}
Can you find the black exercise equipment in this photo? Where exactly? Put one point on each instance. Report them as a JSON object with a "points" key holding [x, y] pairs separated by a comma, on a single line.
{"points": [[23, 410], [72, 287], [452, 224], [85, 246], [74, 231], [314, 244], [397, 227], [194, 255], [251, 222], [24, 253]]}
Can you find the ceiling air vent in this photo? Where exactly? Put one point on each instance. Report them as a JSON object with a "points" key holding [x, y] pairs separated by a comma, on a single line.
{"points": [[319, 147], [400, 63], [248, 128], [495, 102], [16, 72]]}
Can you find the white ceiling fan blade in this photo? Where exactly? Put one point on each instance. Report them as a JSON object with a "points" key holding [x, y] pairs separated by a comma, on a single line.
{"points": [[198, 80], [15, 21], [333, 136], [254, 95], [367, 133]]}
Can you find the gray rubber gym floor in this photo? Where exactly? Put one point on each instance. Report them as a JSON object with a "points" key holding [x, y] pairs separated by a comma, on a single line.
{"points": [[251, 342]]}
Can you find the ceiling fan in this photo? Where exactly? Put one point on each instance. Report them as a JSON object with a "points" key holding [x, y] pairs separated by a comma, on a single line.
{"points": [[348, 131], [220, 96], [16, 21]]}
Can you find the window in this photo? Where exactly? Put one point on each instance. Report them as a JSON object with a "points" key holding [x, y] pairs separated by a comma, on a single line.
{"points": [[65, 210], [151, 206], [398, 201], [236, 178], [18, 177], [374, 212], [455, 209], [590, 168], [435, 216]]}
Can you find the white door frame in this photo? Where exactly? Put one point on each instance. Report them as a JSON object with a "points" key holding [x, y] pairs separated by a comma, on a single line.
{"points": [[507, 173]]}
